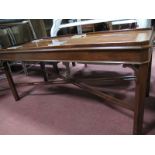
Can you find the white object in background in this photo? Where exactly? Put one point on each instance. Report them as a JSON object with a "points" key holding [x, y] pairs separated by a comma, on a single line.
{"points": [[85, 22], [55, 27], [143, 23], [125, 21], [79, 28], [57, 24]]}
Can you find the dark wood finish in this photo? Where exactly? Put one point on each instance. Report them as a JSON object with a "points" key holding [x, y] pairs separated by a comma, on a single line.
{"points": [[73, 64], [43, 69], [111, 38], [140, 93], [129, 47], [104, 95], [149, 77], [56, 69], [10, 81]]}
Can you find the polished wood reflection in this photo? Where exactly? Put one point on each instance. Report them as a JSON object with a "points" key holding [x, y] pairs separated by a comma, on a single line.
{"points": [[111, 38], [129, 47]]}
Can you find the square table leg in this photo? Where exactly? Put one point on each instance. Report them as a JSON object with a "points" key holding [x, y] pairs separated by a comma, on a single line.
{"points": [[43, 69], [10, 81], [140, 93], [149, 77]]}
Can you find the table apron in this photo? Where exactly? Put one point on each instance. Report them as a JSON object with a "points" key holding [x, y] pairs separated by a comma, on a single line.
{"points": [[128, 56]]}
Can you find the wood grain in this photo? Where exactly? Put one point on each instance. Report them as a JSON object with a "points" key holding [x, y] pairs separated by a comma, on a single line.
{"points": [[130, 47]]}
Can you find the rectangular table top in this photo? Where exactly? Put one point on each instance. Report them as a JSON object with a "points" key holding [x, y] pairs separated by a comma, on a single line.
{"points": [[109, 38], [86, 47]]}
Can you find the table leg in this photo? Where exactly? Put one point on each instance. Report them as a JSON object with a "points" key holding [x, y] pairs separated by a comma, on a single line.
{"points": [[10, 81], [140, 93], [67, 68], [73, 64], [55, 67], [42, 65], [149, 78]]}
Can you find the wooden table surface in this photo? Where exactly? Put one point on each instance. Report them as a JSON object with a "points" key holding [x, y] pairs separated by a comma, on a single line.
{"points": [[129, 47], [89, 47], [107, 38]]}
